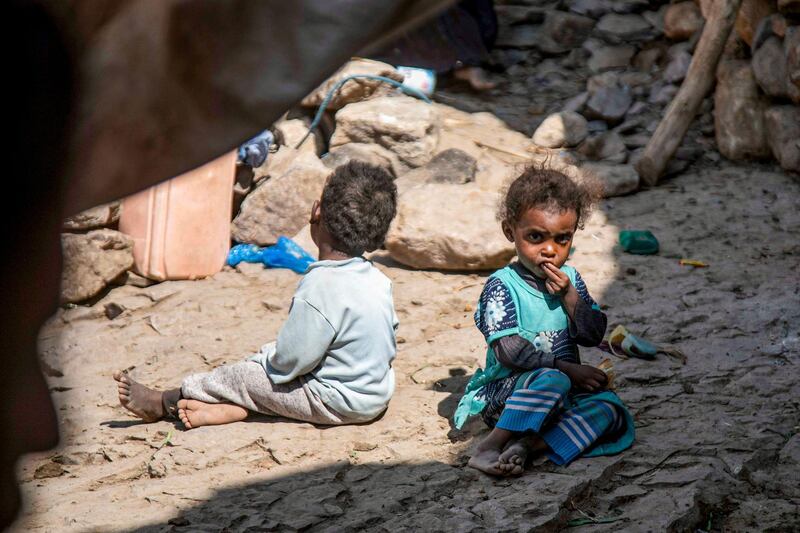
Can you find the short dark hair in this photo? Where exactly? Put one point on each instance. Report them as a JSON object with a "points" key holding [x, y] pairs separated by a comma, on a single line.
{"points": [[358, 203], [543, 187]]}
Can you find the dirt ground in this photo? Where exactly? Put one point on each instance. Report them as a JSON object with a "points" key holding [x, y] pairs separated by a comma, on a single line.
{"points": [[717, 438]]}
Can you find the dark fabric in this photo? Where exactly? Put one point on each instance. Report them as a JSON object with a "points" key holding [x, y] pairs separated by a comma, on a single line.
{"points": [[589, 325], [166, 86], [462, 36], [518, 354], [169, 401]]}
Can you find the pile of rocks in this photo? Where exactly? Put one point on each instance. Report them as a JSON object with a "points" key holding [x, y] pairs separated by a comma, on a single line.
{"points": [[594, 77], [95, 255], [449, 165]]}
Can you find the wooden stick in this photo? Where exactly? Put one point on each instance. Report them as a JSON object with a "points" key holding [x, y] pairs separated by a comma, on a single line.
{"points": [[699, 80]]}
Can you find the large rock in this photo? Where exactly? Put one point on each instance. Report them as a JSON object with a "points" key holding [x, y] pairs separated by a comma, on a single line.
{"points": [[282, 204], [609, 104], [101, 216], [607, 146], [92, 261], [615, 179], [566, 128], [403, 125], [355, 90], [750, 14], [682, 20], [624, 28], [783, 135], [563, 31], [450, 166], [739, 112], [292, 131], [448, 227], [608, 57], [373, 154], [769, 68]]}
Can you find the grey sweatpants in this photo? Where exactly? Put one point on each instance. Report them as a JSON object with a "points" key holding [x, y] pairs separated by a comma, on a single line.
{"points": [[248, 385]]}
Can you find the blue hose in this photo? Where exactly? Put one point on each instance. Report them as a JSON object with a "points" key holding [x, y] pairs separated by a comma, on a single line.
{"points": [[335, 89]]}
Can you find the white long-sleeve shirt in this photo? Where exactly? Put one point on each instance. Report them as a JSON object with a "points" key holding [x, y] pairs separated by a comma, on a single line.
{"points": [[340, 337]]}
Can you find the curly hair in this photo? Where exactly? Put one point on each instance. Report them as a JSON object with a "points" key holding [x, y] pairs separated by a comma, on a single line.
{"points": [[358, 203], [544, 187]]}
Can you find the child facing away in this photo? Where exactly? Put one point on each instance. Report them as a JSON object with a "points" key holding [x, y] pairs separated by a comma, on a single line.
{"points": [[332, 362], [534, 392]]}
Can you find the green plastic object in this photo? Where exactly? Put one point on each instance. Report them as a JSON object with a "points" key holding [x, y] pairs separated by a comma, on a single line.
{"points": [[641, 242]]}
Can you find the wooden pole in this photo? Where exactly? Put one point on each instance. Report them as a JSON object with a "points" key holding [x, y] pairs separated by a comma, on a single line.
{"points": [[699, 80]]}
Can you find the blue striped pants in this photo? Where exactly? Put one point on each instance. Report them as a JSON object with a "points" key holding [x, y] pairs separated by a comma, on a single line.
{"points": [[568, 423]]}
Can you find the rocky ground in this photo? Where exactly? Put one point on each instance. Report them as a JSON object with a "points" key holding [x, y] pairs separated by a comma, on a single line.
{"points": [[717, 445], [717, 438]]}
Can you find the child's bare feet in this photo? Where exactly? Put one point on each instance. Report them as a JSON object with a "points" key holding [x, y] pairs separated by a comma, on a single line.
{"points": [[142, 401], [487, 461], [487, 454], [512, 460], [194, 413]]}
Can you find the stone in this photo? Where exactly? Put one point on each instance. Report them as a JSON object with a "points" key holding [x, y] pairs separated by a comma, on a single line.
{"points": [[678, 67], [373, 154], [769, 68], [280, 205], [599, 81], [750, 14], [566, 128], [789, 7], [629, 6], [656, 18], [783, 135], [790, 453], [791, 45], [576, 103], [292, 131], [662, 94], [607, 146], [101, 216], [450, 166], [520, 36], [591, 8], [739, 112], [597, 126], [774, 24], [563, 31], [616, 180], [647, 59], [513, 15], [448, 227], [355, 90], [92, 261], [623, 28], [608, 57], [405, 126], [682, 20], [609, 104]]}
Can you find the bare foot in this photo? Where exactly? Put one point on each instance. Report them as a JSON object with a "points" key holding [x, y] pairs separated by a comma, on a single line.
{"points": [[512, 460], [194, 413], [476, 77], [487, 461], [142, 401]]}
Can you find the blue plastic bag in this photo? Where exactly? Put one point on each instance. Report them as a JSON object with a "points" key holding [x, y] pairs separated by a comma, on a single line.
{"points": [[283, 254], [254, 152]]}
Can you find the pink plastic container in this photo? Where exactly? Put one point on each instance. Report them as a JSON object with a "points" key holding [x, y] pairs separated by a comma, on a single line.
{"points": [[181, 227]]}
